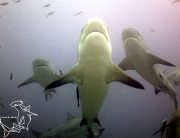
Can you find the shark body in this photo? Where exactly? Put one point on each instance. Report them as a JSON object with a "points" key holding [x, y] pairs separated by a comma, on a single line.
{"points": [[139, 58], [94, 71], [44, 74], [70, 129]]}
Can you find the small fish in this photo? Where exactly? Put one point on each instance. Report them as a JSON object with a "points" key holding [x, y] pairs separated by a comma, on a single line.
{"points": [[17, 1], [78, 13], [11, 76], [1, 45], [152, 30], [125, 93], [50, 13], [47, 5], [4, 3], [175, 1]]}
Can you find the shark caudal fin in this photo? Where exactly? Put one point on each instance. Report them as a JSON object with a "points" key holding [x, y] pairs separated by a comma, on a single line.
{"points": [[35, 133], [94, 132]]}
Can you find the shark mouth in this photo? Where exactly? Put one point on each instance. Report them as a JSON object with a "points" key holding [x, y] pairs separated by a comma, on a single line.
{"points": [[95, 32], [40, 66]]}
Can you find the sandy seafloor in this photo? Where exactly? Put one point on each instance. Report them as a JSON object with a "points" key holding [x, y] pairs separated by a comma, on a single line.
{"points": [[27, 34]]}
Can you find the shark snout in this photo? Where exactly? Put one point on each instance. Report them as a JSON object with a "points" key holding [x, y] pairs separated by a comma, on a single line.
{"points": [[94, 25]]}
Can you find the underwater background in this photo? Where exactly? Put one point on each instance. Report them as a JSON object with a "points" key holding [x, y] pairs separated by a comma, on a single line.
{"points": [[27, 34]]}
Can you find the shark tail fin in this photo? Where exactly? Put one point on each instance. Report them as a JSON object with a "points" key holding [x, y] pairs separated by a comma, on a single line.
{"points": [[94, 132], [36, 133]]}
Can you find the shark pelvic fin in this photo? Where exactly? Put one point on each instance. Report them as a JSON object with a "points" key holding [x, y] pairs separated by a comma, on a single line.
{"points": [[117, 74], [125, 64], [157, 90], [152, 59], [73, 75], [30, 80]]}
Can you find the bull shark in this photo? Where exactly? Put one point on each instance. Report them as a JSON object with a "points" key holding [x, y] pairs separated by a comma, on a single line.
{"points": [[139, 58], [94, 71], [70, 129], [44, 74]]}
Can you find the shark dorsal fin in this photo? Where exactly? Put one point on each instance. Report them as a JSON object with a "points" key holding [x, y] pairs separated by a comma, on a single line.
{"points": [[30, 80], [69, 116], [152, 59]]}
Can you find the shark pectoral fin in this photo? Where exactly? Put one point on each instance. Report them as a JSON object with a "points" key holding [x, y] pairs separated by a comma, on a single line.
{"points": [[125, 64], [117, 74], [73, 75], [157, 90], [69, 116], [30, 80], [152, 59]]}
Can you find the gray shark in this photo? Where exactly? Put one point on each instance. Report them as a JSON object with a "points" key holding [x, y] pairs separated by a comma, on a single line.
{"points": [[44, 74], [139, 58], [70, 129], [94, 71]]}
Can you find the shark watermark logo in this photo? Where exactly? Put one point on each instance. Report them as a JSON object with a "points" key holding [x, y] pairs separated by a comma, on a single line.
{"points": [[23, 118]]}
